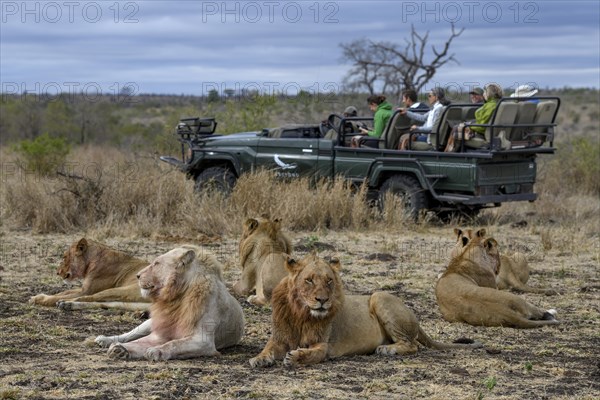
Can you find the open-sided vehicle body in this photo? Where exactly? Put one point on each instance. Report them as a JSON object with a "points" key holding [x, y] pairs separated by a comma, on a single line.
{"points": [[482, 173]]}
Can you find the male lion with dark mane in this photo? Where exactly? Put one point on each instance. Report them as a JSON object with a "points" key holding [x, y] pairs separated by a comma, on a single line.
{"points": [[313, 320], [513, 272], [466, 291], [263, 247], [192, 313], [108, 279]]}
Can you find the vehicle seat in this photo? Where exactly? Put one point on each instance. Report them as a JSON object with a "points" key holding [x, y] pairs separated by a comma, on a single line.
{"points": [[397, 125], [544, 115], [506, 114], [526, 115]]}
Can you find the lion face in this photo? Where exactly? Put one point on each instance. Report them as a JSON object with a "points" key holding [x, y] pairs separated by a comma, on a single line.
{"points": [[463, 237], [483, 251], [164, 273], [317, 287], [74, 262]]}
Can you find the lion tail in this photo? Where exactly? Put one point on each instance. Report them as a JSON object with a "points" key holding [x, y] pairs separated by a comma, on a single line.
{"points": [[462, 343]]}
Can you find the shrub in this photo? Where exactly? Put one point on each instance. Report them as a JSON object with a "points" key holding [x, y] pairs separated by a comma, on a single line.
{"points": [[42, 155]]}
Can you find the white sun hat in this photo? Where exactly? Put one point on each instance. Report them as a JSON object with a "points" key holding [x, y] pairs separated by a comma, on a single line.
{"points": [[524, 91]]}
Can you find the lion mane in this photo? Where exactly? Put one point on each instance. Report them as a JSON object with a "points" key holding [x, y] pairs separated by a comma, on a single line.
{"points": [[192, 313], [313, 320], [467, 291], [108, 279], [262, 250]]}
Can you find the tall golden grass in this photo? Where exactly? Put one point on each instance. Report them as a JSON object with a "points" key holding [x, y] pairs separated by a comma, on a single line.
{"points": [[106, 192]]}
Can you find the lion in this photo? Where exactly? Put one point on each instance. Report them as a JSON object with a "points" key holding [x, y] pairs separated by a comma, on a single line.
{"points": [[108, 279], [263, 247], [312, 319], [513, 271], [192, 313], [467, 291]]}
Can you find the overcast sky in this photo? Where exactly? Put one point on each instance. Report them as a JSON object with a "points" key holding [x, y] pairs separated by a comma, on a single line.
{"points": [[191, 47]]}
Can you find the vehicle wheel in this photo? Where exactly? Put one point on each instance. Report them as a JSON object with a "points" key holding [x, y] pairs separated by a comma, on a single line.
{"points": [[219, 179], [414, 197]]}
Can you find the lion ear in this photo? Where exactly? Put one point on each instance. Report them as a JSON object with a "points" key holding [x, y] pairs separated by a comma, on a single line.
{"points": [[480, 233], [187, 258], [82, 245], [465, 241], [334, 263], [490, 243], [292, 265], [457, 232], [251, 224]]}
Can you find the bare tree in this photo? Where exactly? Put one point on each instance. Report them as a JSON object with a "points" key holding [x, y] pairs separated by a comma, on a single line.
{"points": [[395, 67]]}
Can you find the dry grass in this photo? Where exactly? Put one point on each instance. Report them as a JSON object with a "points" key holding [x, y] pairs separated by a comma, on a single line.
{"points": [[107, 192]]}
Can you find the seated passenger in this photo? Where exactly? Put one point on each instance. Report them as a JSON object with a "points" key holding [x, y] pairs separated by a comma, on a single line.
{"points": [[409, 98], [476, 95], [383, 112], [349, 126], [437, 99], [525, 91], [492, 93]]}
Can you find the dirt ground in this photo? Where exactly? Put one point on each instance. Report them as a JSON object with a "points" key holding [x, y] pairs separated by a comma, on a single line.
{"points": [[45, 353]]}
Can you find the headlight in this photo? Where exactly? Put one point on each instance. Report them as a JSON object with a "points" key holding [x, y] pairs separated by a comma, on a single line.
{"points": [[189, 153]]}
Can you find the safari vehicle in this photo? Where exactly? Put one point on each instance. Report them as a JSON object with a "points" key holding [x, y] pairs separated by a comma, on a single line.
{"points": [[481, 174]]}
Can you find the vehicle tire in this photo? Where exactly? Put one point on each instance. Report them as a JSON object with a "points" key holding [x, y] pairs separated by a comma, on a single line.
{"points": [[414, 197], [219, 179]]}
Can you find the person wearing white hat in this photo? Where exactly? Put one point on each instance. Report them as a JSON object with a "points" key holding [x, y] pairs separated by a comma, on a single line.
{"points": [[524, 91]]}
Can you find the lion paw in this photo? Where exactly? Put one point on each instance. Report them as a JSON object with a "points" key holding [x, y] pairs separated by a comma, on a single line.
{"points": [[291, 359], [256, 300], [118, 351], [65, 305], [154, 354], [104, 341], [39, 299], [258, 362], [386, 350]]}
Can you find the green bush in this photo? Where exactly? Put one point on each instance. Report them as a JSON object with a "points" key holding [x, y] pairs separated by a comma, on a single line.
{"points": [[574, 168], [44, 154]]}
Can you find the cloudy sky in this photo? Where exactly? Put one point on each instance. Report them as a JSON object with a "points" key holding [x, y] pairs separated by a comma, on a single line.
{"points": [[190, 47]]}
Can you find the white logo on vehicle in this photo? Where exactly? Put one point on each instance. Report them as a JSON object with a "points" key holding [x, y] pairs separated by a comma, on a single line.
{"points": [[283, 165]]}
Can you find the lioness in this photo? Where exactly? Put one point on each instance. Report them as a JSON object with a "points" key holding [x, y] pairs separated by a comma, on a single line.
{"points": [[108, 278], [466, 291], [513, 272], [263, 247], [313, 320], [192, 312]]}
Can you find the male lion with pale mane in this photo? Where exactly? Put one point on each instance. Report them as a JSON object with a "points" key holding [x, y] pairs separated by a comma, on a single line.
{"points": [[466, 291], [313, 320], [108, 279], [513, 272], [263, 247], [192, 313]]}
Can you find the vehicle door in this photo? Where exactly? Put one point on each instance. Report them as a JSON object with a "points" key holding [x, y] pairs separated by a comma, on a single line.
{"points": [[288, 157]]}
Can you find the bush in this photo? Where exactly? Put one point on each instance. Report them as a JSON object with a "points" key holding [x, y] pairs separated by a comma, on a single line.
{"points": [[574, 169], [42, 155]]}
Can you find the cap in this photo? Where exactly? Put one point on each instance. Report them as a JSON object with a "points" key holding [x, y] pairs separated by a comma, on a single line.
{"points": [[351, 110], [477, 90]]}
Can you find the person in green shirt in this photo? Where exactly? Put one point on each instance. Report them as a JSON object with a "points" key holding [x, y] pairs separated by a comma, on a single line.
{"points": [[383, 112], [492, 93]]}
